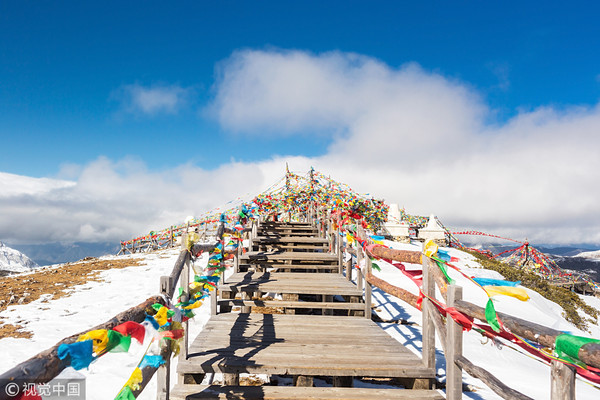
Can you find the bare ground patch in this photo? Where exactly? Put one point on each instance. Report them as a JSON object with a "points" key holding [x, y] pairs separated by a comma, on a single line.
{"points": [[23, 289]]}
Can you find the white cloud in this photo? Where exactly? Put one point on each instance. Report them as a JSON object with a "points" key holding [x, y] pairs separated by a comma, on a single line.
{"points": [[152, 100], [117, 200], [16, 185], [409, 136], [420, 139]]}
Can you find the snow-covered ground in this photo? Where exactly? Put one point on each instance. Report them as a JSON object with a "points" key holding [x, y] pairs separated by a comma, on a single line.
{"points": [[521, 372], [96, 302]]}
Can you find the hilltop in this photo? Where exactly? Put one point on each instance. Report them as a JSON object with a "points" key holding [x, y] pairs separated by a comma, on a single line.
{"points": [[13, 261], [111, 284]]}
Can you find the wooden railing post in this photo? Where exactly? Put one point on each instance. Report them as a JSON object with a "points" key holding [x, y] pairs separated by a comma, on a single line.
{"points": [[163, 373], [253, 233], [428, 327], [348, 265], [329, 234], [163, 380], [236, 257], [185, 296], [562, 381], [213, 302], [340, 252], [368, 289], [453, 348], [359, 274]]}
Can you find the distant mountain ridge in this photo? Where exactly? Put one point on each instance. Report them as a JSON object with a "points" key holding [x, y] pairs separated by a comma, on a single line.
{"points": [[594, 255], [579, 258], [13, 261], [60, 253]]}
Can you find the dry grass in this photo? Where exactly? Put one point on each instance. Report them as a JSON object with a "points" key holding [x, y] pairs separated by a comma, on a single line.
{"points": [[57, 282]]}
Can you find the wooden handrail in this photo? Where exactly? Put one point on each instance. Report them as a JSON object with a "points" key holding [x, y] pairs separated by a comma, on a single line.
{"points": [[490, 380], [46, 365], [432, 317], [589, 353]]}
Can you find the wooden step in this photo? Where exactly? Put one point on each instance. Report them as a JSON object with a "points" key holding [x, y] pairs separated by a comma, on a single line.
{"points": [[290, 247], [340, 305], [296, 268], [287, 233], [310, 345], [182, 392], [296, 283], [287, 228], [289, 239], [281, 228], [267, 256], [284, 224]]}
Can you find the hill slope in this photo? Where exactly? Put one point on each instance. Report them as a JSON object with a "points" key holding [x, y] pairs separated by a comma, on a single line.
{"points": [[83, 306], [12, 261]]}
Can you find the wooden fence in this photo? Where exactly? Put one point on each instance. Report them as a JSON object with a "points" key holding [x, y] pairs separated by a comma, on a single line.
{"points": [[450, 333], [46, 365]]}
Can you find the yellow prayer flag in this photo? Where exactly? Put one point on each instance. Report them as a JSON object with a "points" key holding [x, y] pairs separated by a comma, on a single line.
{"points": [[135, 379], [430, 249], [516, 292]]}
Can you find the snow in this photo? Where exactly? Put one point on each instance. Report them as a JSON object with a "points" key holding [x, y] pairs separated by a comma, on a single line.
{"points": [[520, 372], [594, 255], [14, 261], [96, 302]]}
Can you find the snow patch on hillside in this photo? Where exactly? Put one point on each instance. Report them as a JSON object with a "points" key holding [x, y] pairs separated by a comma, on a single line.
{"points": [[12, 260], [594, 255]]}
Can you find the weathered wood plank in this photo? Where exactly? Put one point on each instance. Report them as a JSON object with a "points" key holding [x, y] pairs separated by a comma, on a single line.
{"points": [[300, 345], [294, 265], [562, 384], [490, 380], [290, 239], [282, 282], [589, 353], [292, 304], [264, 255], [181, 392], [284, 368], [453, 350]]}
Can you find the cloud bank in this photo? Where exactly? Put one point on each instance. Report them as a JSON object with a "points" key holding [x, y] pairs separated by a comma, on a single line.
{"points": [[117, 200], [422, 140], [408, 135]]}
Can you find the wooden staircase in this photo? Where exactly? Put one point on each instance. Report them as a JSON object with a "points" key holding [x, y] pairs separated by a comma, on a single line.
{"points": [[289, 247], [291, 312]]}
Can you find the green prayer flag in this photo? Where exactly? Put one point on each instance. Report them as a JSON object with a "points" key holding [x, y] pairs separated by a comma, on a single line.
{"points": [[567, 346], [375, 266], [125, 394], [158, 306], [117, 343], [491, 317], [444, 271]]}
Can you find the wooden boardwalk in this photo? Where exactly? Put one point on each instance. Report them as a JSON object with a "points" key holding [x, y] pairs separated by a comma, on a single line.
{"points": [[312, 324]]}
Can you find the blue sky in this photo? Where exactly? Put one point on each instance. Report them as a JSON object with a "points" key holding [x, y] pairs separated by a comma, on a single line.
{"points": [[62, 65], [103, 95]]}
